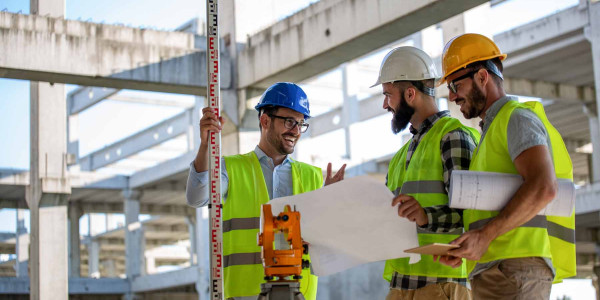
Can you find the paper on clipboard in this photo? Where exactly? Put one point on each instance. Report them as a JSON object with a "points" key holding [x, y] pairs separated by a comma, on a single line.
{"points": [[350, 223], [492, 191]]}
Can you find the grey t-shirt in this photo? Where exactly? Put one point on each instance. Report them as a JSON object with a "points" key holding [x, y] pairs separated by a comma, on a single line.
{"points": [[525, 130]]}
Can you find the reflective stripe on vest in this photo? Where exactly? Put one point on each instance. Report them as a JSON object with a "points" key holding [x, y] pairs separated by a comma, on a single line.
{"points": [[241, 223], [243, 270], [237, 259], [423, 179], [555, 230], [422, 187], [557, 241]]}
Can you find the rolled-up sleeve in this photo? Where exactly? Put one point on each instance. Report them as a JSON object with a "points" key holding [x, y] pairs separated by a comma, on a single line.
{"points": [[196, 191]]}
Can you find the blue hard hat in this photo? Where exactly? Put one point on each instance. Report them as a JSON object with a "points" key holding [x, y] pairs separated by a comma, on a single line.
{"points": [[285, 94]]}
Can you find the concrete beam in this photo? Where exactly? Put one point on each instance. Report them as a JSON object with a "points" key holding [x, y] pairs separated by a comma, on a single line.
{"points": [[66, 51], [516, 58], [97, 181], [154, 282], [330, 32], [587, 198], [104, 286], [542, 31], [145, 208], [162, 170], [334, 119], [84, 97], [229, 139], [176, 228], [14, 285], [550, 90], [138, 142]]}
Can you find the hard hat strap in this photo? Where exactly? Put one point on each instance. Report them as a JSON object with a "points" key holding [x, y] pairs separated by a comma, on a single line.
{"points": [[424, 89], [491, 66]]}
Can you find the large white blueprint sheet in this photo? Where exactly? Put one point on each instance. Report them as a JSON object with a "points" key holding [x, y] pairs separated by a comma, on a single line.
{"points": [[492, 191], [350, 223]]}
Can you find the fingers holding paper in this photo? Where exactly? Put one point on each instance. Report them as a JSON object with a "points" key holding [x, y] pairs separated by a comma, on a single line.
{"points": [[409, 208], [449, 260], [473, 245]]}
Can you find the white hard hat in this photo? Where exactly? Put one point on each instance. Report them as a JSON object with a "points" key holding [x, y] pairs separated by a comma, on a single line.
{"points": [[407, 64]]}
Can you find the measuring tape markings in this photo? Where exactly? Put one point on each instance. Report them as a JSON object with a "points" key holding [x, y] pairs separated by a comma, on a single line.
{"points": [[216, 241]]}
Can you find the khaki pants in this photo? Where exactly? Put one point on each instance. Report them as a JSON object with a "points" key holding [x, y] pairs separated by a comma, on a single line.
{"points": [[517, 278], [445, 291]]}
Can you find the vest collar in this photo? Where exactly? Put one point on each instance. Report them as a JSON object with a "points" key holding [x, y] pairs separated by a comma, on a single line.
{"points": [[262, 157], [429, 122]]}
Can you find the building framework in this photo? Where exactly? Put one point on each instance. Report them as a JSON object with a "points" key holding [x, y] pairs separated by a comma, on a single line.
{"points": [[556, 58]]}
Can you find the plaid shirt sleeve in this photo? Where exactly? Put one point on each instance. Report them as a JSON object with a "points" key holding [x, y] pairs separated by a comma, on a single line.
{"points": [[457, 147]]}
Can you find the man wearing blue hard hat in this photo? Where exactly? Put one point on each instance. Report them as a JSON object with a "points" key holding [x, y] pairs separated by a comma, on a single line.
{"points": [[252, 179]]}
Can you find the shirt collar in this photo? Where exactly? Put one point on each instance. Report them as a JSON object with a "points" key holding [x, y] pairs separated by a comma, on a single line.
{"points": [[427, 123], [262, 156], [493, 110]]}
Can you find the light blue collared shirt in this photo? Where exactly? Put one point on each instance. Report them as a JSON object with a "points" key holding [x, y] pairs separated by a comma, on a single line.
{"points": [[277, 178]]}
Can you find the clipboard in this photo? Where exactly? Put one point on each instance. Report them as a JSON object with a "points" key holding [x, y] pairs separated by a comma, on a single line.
{"points": [[433, 249]]}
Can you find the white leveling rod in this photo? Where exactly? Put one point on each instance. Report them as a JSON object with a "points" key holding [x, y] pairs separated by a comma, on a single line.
{"points": [[214, 140]]}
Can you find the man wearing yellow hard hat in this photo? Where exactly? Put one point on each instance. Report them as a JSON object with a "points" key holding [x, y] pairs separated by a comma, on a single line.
{"points": [[512, 253]]}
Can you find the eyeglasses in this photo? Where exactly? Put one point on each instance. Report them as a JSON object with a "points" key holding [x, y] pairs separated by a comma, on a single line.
{"points": [[452, 84], [290, 123]]}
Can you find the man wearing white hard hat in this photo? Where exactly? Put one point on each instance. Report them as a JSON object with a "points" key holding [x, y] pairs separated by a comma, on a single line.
{"points": [[419, 173]]}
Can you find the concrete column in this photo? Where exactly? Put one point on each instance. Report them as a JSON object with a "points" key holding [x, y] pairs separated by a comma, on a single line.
{"points": [[48, 193], [111, 268], [22, 245], [75, 214], [202, 253], [134, 234], [150, 263], [49, 187], [94, 259], [349, 110], [594, 165], [73, 135], [593, 33], [191, 221]]}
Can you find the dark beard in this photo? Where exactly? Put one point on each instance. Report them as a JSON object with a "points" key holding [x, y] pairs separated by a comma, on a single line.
{"points": [[277, 142], [402, 115], [477, 102]]}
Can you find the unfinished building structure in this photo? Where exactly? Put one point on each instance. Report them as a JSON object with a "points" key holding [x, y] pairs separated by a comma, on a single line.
{"points": [[556, 58]]}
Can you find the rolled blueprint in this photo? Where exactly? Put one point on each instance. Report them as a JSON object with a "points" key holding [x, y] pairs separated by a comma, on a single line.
{"points": [[492, 191]]}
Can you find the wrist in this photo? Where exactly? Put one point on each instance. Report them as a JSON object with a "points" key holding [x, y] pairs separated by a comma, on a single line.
{"points": [[489, 232]]}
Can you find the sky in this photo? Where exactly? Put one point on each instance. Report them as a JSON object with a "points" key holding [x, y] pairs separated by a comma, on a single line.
{"points": [[112, 120]]}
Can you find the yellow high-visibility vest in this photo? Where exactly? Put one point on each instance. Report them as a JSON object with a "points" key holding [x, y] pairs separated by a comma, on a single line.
{"points": [[543, 236], [243, 269], [423, 179]]}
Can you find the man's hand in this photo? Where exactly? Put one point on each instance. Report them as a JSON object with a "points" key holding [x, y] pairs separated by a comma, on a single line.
{"points": [[448, 260], [209, 122], [339, 175], [410, 208], [473, 245]]}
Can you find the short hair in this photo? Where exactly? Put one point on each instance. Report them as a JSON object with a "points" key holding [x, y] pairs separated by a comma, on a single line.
{"points": [[268, 110], [483, 64], [421, 85]]}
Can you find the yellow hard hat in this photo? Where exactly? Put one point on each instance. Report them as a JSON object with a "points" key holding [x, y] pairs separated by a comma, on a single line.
{"points": [[466, 49]]}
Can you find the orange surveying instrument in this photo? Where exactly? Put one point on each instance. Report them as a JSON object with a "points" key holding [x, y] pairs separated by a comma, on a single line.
{"points": [[281, 264]]}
